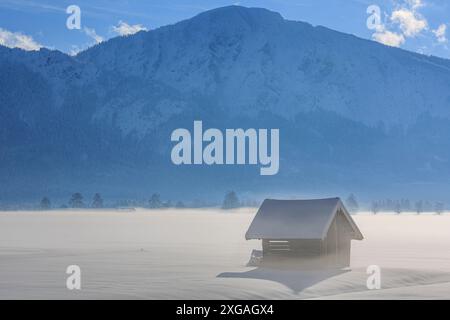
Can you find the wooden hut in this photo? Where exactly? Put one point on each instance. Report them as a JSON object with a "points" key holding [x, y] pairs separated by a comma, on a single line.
{"points": [[312, 232]]}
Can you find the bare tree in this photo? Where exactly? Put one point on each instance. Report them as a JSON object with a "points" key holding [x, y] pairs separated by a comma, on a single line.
{"points": [[155, 201], [231, 201], [375, 207], [439, 207], [419, 206], [97, 202], [76, 201], [45, 203], [352, 204]]}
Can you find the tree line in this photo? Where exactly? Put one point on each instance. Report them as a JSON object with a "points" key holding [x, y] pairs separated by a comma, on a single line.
{"points": [[77, 201], [397, 206], [404, 205]]}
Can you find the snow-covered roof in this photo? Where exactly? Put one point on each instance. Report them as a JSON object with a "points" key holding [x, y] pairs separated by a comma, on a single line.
{"points": [[298, 219]]}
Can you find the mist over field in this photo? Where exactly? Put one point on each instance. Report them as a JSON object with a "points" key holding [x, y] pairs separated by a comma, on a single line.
{"points": [[202, 254]]}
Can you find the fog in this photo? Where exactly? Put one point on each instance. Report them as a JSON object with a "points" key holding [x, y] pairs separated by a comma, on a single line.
{"points": [[202, 254]]}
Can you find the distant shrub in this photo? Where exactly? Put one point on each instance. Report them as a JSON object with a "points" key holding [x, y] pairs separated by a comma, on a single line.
{"points": [[76, 201], [231, 201], [45, 204]]}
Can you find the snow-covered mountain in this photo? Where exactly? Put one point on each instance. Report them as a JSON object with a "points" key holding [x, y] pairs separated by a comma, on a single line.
{"points": [[354, 115]]}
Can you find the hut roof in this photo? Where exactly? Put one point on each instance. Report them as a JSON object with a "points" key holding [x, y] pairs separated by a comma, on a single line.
{"points": [[298, 219]]}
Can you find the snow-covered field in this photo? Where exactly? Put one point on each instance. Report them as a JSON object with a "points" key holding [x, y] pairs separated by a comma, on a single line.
{"points": [[202, 254]]}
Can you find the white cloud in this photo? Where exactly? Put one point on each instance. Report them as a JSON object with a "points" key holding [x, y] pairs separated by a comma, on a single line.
{"points": [[124, 29], [440, 33], [18, 40], [415, 4], [91, 33], [411, 23], [74, 50], [389, 38], [404, 22]]}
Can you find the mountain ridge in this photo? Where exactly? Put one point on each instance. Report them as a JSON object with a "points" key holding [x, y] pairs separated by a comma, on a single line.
{"points": [[352, 113]]}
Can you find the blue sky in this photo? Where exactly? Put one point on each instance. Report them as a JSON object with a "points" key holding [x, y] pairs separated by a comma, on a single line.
{"points": [[416, 25]]}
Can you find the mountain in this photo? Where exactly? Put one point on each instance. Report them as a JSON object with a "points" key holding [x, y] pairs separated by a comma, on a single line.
{"points": [[354, 115]]}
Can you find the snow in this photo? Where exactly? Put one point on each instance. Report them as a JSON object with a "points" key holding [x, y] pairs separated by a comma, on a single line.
{"points": [[202, 254], [296, 219], [248, 60]]}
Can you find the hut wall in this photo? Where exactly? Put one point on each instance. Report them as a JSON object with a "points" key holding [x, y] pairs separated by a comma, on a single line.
{"points": [[344, 240], [338, 242]]}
